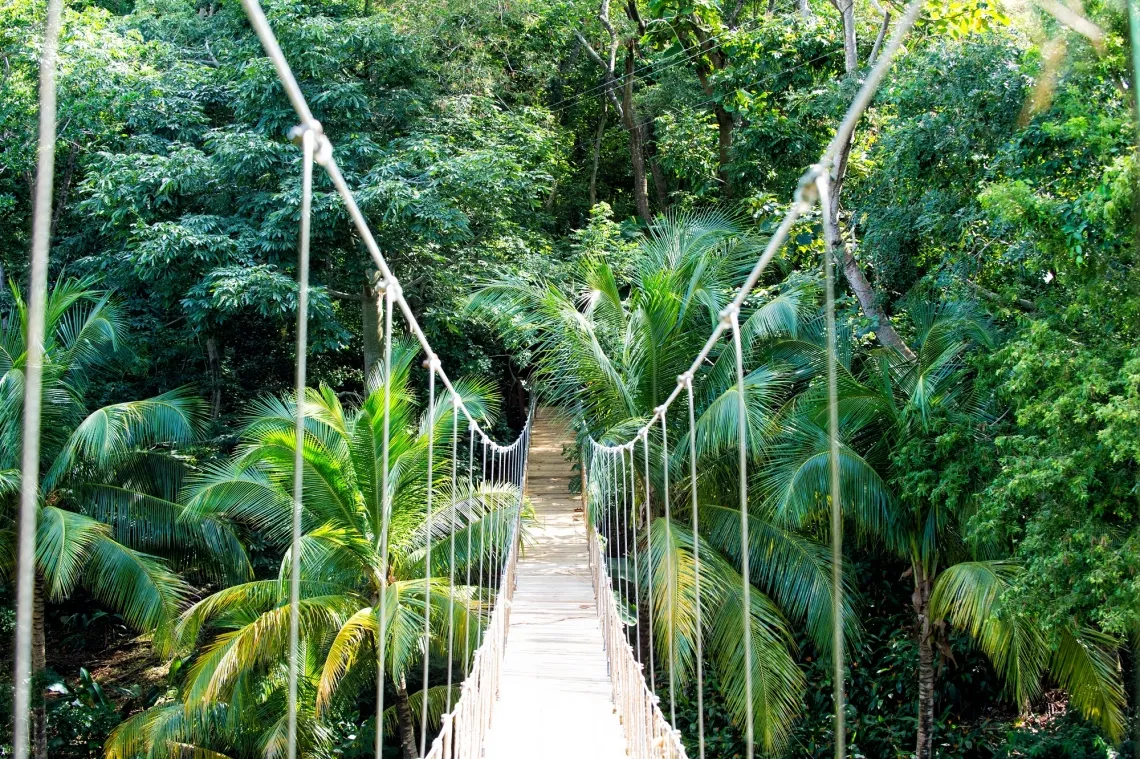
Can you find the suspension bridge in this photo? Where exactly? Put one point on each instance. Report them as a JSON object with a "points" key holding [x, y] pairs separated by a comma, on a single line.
{"points": [[560, 669]]}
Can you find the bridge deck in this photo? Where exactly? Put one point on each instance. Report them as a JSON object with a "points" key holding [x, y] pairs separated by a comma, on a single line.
{"points": [[555, 698]]}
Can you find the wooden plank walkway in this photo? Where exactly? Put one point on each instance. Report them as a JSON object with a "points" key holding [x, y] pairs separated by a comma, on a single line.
{"points": [[555, 699]]}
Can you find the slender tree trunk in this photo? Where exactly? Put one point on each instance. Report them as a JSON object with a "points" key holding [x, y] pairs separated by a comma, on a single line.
{"points": [[598, 152], [39, 664], [846, 8], [370, 325], [636, 148], [406, 721], [865, 294], [921, 602], [724, 127], [214, 358], [860, 285], [660, 186]]}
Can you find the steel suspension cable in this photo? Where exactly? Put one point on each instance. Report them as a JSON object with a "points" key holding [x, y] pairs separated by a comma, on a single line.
{"points": [[308, 146], [33, 386]]}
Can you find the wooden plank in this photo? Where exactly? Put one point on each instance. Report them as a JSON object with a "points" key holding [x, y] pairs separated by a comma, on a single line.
{"points": [[555, 698]]}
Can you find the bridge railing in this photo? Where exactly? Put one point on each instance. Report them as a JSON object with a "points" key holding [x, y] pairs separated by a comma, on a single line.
{"points": [[648, 733], [464, 728]]}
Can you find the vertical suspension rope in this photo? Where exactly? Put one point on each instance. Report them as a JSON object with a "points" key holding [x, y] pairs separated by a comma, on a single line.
{"points": [[636, 563], [468, 527], [432, 364], [33, 384], [649, 563], [624, 548], [385, 509], [823, 183], [688, 380], [308, 146], [671, 589], [745, 572], [484, 501], [451, 537]]}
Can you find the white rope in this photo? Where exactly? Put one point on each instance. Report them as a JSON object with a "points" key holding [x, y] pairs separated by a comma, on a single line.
{"points": [[451, 537], [430, 362], [647, 731], [823, 182], [471, 508], [649, 563], [671, 589], [385, 514], [33, 387], [308, 146], [636, 563], [746, 577], [688, 379], [625, 533]]}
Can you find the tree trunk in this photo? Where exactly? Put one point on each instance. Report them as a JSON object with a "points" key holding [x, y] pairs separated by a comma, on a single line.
{"points": [[860, 285], [921, 602], [850, 51], [370, 324], [406, 721], [598, 152], [636, 149], [660, 186], [214, 358], [39, 664], [868, 301], [724, 127]]}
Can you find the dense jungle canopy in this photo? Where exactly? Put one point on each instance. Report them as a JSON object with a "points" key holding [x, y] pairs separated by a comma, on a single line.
{"points": [[556, 183]]}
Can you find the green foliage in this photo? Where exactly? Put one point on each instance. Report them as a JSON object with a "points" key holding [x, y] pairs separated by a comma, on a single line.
{"points": [[235, 640]]}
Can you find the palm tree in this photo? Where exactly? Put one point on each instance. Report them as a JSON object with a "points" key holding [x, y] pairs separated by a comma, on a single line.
{"points": [[108, 484], [232, 700], [612, 351], [899, 491]]}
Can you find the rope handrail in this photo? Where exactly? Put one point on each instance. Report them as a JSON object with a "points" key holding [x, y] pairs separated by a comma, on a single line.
{"points": [[649, 734], [463, 729]]}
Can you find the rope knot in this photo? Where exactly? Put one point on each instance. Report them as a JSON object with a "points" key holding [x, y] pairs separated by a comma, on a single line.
{"points": [[685, 379], [729, 314], [432, 362], [807, 192]]}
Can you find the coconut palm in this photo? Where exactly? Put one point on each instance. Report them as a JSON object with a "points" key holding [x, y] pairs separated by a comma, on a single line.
{"points": [[237, 638], [611, 351], [891, 409], [108, 483]]}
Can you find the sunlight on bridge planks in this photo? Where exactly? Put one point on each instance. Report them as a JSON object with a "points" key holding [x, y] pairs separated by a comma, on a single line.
{"points": [[555, 697]]}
